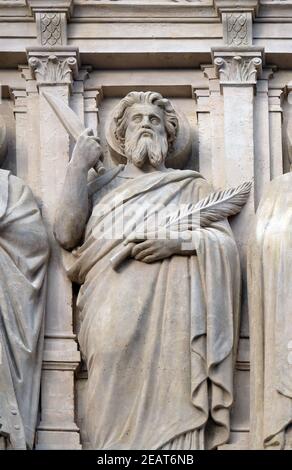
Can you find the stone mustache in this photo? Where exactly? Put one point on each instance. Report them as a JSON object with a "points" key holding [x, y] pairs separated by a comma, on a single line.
{"points": [[158, 334]]}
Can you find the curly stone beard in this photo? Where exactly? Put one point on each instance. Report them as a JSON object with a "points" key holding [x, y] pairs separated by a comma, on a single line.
{"points": [[139, 149]]}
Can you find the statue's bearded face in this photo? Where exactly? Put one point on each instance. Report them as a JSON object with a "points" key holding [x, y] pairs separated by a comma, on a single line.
{"points": [[146, 137]]}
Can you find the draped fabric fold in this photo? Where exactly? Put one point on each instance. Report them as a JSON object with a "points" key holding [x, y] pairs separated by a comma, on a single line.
{"points": [[23, 259], [159, 339], [270, 300]]}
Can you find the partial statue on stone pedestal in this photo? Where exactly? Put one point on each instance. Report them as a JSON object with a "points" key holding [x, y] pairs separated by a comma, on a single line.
{"points": [[270, 313], [159, 328], [23, 261]]}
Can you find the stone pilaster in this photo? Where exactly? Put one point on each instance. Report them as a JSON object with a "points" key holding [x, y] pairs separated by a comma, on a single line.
{"points": [[20, 115], [202, 97], [27, 131], [238, 70], [275, 97], [262, 167], [286, 125], [91, 109], [217, 171], [53, 70]]}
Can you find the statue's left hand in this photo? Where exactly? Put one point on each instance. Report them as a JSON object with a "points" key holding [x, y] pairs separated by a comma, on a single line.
{"points": [[154, 246]]}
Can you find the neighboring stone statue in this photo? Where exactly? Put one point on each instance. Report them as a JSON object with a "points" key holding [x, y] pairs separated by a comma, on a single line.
{"points": [[159, 332], [270, 314], [23, 260]]}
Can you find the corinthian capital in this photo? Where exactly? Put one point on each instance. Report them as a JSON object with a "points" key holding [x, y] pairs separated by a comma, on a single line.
{"points": [[237, 69], [240, 67], [53, 66]]}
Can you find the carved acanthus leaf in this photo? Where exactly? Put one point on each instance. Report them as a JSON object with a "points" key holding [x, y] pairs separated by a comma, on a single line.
{"points": [[53, 69], [237, 69]]}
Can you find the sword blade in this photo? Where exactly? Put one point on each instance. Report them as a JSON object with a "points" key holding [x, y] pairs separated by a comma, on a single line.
{"points": [[70, 121], [67, 117]]}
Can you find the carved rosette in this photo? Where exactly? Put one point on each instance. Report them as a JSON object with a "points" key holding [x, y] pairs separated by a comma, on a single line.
{"points": [[237, 69], [53, 69]]}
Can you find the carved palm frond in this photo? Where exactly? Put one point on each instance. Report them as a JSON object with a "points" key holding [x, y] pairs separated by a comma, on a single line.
{"points": [[184, 212], [216, 206]]}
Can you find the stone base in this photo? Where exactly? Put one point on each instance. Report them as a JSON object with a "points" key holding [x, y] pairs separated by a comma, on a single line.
{"points": [[58, 440]]}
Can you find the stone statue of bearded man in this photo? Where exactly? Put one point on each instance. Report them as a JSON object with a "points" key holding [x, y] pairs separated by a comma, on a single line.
{"points": [[159, 333], [145, 136]]}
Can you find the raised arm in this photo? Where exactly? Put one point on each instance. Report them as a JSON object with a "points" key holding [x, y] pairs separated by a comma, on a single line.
{"points": [[73, 208]]}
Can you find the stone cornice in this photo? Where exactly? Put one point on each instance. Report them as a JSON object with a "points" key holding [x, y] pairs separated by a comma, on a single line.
{"points": [[189, 31], [146, 8], [237, 5], [142, 8], [61, 6], [276, 2], [12, 3]]}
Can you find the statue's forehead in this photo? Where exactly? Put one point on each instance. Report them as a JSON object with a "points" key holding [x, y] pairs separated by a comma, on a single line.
{"points": [[146, 108]]}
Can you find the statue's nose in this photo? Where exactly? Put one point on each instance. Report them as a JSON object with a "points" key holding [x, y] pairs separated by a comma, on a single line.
{"points": [[146, 123]]}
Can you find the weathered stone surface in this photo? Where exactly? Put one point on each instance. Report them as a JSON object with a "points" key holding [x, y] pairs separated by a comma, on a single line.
{"points": [[24, 255], [270, 326], [225, 64], [143, 367]]}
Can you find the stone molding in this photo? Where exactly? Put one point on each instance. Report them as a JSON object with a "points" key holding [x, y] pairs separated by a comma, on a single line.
{"points": [[237, 5], [276, 98], [12, 3], [275, 2], [64, 6]]}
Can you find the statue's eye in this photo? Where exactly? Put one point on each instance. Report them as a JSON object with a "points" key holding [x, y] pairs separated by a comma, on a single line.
{"points": [[137, 118], [155, 120]]}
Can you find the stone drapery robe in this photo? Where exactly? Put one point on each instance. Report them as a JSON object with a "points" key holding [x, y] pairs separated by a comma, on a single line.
{"points": [[159, 339], [23, 260], [270, 306]]}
